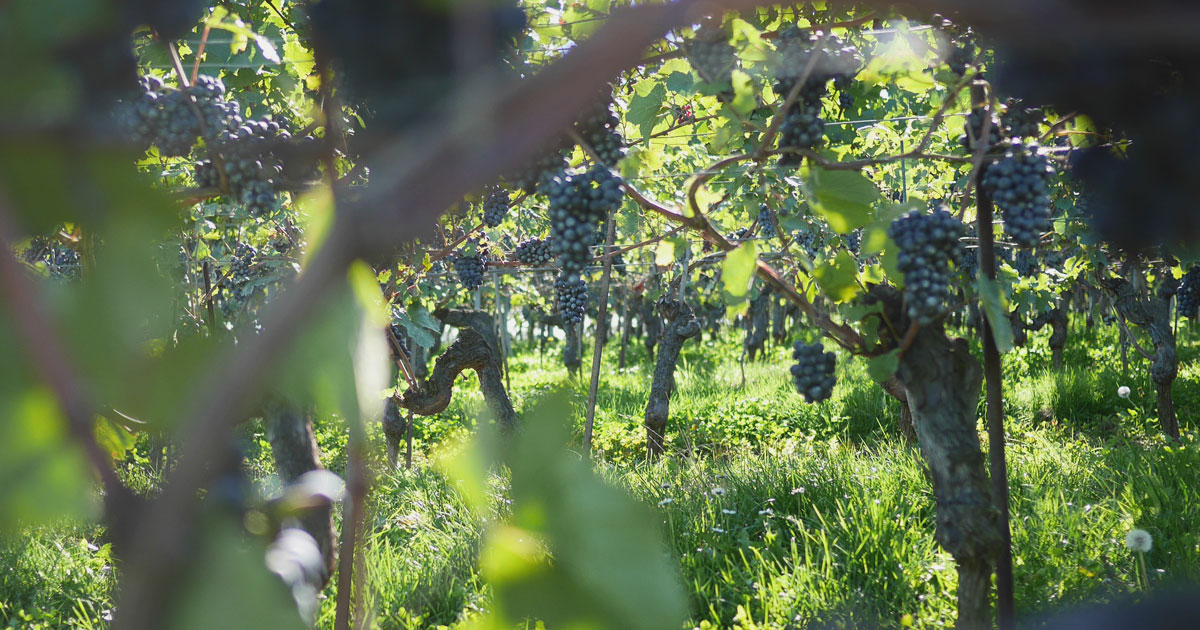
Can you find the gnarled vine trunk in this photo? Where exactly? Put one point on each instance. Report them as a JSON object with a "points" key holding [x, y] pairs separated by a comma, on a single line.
{"points": [[680, 325], [294, 447], [476, 348], [1153, 315], [942, 381]]}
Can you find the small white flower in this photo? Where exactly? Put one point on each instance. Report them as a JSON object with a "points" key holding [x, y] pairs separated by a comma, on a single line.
{"points": [[1123, 391], [799, 490], [718, 530], [666, 501], [1139, 540], [728, 511], [719, 491], [766, 512]]}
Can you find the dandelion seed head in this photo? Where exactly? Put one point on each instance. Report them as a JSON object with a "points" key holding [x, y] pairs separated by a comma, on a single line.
{"points": [[1123, 391], [1139, 540]]}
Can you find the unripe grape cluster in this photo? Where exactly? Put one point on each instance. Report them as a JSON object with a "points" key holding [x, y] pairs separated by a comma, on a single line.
{"points": [[927, 244], [1188, 295], [535, 251], [570, 297], [1019, 185], [469, 265], [813, 372], [578, 203], [495, 206]]}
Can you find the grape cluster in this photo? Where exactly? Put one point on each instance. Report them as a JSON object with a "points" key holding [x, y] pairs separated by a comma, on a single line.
{"points": [[927, 243], [578, 203], [247, 153], [241, 266], [59, 260], [711, 54], [966, 259], [539, 169], [570, 297], [853, 241], [741, 234], [1019, 185], [247, 149], [535, 251], [845, 99], [495, 206], [1188, 295], [809, 240], [766, 222], [834, 61], [599, 129], [1025, 263], [801, 130], [1019, 121], [812, 373], [973, 129], [962, 55], [469, 265]]}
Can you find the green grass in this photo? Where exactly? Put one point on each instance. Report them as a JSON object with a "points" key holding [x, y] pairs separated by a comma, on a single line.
{"points": [[779, 514]]}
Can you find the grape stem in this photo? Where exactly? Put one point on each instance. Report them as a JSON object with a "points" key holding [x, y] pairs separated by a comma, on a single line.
{"points": [[200, 52]]}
